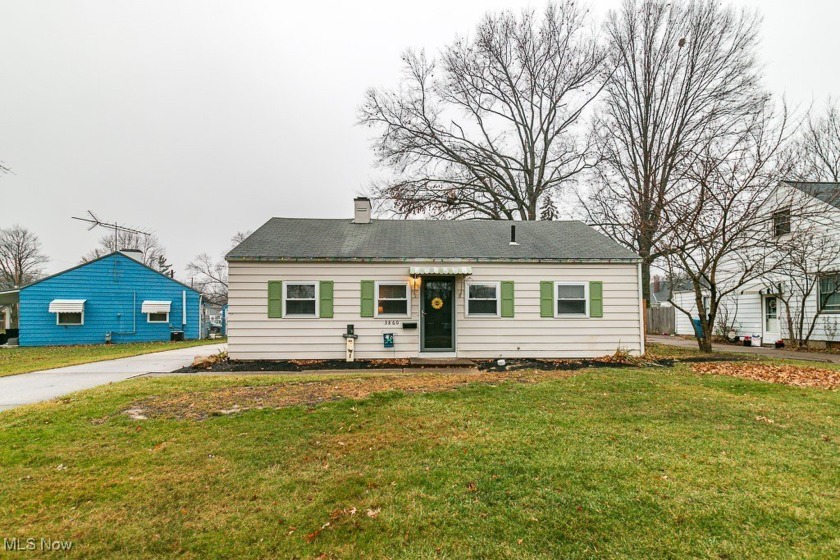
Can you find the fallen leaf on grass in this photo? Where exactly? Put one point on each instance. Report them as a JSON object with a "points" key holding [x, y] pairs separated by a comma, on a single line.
{"points": [[798, 376], [372, 513]]}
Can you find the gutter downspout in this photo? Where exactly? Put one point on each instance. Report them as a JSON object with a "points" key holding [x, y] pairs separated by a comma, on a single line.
{"points": [[184, 310], [642, 325]]}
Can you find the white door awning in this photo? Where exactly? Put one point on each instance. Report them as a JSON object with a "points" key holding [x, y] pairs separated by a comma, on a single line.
{"points": [[156, 306], [67, 305], [760, 288], [440, 270]]}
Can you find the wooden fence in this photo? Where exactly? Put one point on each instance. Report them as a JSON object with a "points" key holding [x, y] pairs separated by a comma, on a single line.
{"points": [[661, 320]]}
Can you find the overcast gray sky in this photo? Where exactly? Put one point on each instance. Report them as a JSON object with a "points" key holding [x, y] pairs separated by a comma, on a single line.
{"points": [[195, 119]]}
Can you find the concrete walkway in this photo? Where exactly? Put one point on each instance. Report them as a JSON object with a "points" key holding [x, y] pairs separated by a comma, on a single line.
{"points": [[28, 388], [769, 352]]}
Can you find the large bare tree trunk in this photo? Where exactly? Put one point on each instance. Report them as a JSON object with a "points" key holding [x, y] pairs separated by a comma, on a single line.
{"points": [[682, 74]]}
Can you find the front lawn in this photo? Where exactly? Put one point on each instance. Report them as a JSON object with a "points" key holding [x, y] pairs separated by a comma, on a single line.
{"points": [[23, 360], [608, 463]]}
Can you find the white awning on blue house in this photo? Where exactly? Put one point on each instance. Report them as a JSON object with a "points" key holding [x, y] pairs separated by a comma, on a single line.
{"points": [[67, 305], [156, 306]]}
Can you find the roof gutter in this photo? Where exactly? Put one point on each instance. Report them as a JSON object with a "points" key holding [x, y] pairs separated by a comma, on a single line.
{"points": [[428, 259]]}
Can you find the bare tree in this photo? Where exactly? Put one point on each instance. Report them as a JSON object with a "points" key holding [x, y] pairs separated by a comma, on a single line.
{"points": [[210, 276], [489, 129], [682, 75], [21, 260], [814, 255], [718, 231], [154, 254], [818, 148]]}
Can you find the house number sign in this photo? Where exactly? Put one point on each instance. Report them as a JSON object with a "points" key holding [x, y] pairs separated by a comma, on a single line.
{"points": [[437, 303]]}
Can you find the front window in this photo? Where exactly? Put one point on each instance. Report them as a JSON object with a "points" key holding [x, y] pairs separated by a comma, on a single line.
{"points": [[781, 222], [483, 299], [571, 299], [162, 317], [392, 299], [830, 293], [300, 299], [70, 319]]}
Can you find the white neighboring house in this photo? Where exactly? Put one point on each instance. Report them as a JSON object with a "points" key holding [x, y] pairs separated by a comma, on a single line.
{"points": [[436, 288], [757, 308]]}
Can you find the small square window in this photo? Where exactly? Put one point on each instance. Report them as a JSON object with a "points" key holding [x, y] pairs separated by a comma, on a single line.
{"points": [[781, 222], [571, 299], [392, 299], [70, 319], [483, 299], [300, 299], [162, 317]]}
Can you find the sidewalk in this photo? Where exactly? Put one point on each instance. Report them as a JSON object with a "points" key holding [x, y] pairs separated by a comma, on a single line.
{"points": [[37, 386], [761, 351]]}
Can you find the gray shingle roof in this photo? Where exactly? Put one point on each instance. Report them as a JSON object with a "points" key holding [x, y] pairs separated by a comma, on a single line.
{"points": [[827, 192], [395, 240]]}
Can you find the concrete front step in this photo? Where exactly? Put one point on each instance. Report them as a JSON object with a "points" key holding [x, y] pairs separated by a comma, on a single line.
{"points": [[442, 362]]}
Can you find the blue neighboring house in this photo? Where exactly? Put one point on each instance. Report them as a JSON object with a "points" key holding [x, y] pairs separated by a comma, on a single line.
{"points": [[115, 298]]}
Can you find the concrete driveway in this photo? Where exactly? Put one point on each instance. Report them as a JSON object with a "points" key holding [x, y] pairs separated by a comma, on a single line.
{"points": [[28, 388]]}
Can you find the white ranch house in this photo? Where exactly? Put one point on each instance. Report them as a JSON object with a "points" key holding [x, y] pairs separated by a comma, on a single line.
{"points": [[431, 288], [757, 308]]}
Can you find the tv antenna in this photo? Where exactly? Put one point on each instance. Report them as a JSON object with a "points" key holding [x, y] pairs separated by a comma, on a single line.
{"points": [[94, 222]]}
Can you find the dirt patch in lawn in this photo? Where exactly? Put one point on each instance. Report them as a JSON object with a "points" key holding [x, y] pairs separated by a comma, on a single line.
{"points": [[786, 374], [203, 404]]}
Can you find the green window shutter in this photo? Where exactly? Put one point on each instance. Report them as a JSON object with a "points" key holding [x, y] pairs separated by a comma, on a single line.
{"points": [[367, 298], [325, 294], [546, 299], [596, 299], [275, 299], [507, 299]]}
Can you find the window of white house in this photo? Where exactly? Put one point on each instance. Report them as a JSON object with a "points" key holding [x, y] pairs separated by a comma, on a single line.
{"points": [[159, 317], [393, 299], [70, 319], [483, 299], [830, 293], [781, 222], [572, 298], [300, 299]]}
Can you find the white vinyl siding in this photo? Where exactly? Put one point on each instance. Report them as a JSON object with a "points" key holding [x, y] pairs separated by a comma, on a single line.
{"points": [[253, 336]]}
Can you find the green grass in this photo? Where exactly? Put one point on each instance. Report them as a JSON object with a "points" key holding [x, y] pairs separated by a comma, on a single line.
{"points": [[22, 360], [630, 463]]}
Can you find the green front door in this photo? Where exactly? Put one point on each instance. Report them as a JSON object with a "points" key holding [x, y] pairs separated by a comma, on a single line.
{"points": [[438, 314]]}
